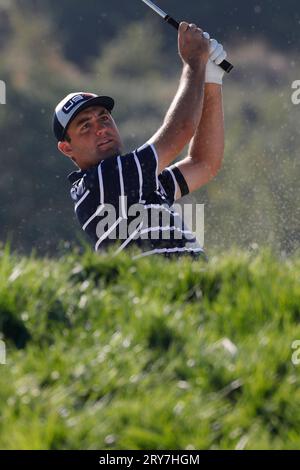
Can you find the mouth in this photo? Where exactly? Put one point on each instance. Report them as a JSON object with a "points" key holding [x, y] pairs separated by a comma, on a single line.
{"points": [[104, 143]]}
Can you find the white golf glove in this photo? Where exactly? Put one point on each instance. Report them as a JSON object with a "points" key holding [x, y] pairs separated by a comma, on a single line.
{"points": [[214, 74]]}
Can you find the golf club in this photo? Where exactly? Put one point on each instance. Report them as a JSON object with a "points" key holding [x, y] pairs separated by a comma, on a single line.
{"points": [[225, 65]]}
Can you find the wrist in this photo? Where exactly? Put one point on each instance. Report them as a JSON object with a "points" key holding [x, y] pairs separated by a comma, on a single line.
{"points": [[197, 68], [212, 90]]}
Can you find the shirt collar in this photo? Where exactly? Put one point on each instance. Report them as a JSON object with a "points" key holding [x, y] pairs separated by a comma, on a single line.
{"points": [[75, 176]]}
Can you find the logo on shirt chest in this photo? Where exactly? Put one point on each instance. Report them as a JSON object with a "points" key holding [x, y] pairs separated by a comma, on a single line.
{"points": [[77, 190]]}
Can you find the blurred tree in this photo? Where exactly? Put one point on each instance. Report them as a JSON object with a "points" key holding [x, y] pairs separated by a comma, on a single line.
{"points": [[125, 54]]}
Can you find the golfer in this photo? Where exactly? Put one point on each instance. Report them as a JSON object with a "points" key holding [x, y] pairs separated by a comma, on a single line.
{"points": [[127, 200]]}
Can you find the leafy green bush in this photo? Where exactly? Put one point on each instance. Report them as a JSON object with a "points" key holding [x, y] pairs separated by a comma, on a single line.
{"points": [[107, 353]]}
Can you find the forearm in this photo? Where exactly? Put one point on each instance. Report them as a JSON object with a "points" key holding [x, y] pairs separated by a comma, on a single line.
{"points": [[185, 111], [207, 145]]}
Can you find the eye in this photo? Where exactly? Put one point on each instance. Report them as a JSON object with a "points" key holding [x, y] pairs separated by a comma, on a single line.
{"points": [[85, 126]]}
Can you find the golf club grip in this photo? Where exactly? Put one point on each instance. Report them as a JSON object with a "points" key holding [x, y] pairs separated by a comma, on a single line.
{"points": [[225, 65]]}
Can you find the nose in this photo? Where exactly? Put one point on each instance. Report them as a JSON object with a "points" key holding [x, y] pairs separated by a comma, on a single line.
{"points": [[99, 128]]}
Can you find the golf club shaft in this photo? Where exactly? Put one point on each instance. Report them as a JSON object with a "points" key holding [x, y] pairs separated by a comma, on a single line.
{"points": [[225, 65]]}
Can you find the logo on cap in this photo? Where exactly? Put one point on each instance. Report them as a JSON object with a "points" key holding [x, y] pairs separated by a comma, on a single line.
{"points": [[74, 101]]}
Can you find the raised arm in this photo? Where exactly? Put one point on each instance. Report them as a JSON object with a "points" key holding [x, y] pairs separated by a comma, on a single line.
{"points": [[184, 114], [206, 149]]}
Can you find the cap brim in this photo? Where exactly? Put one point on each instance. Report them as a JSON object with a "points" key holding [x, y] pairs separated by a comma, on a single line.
{"points": [[105, 101]]}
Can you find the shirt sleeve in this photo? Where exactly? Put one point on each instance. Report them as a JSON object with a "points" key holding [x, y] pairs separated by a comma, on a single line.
{"points": [[171, 179], [133, 175]]}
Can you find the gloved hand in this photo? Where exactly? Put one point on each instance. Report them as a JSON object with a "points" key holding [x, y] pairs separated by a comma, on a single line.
{"points": [[214, 74]]}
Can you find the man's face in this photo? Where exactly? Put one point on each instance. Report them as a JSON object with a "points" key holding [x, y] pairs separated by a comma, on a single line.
{"points": [[94, 137]]}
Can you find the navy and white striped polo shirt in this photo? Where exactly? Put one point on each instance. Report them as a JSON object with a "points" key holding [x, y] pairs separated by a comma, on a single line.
{"points": [[123, 201]]}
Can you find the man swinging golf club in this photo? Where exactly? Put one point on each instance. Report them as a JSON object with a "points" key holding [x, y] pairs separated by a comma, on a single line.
{"points": [[111, 188]]}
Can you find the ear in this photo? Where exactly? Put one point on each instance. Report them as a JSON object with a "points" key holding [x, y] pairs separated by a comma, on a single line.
{"points": [[65, 148]]}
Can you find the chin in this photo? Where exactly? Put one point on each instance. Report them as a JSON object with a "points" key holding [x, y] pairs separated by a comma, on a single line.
{"points": [[107, 154]]}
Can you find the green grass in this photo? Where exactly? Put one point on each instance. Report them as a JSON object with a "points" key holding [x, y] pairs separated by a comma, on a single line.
{"points": [[113, 354]]}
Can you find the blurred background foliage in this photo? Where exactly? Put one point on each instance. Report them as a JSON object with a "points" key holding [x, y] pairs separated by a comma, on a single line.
{"points": [[123, 49]]}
